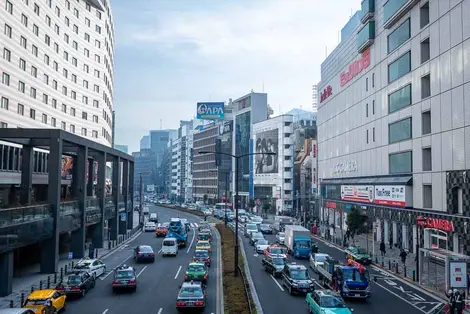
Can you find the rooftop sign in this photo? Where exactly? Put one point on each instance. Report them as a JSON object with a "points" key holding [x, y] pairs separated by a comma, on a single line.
{"points": [[355, 68]]}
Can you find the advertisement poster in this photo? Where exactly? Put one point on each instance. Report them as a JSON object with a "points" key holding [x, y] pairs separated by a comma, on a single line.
{"points": [[210, 110], [458, 274], [267, 142], [67, 168], [390, 195], [357, 193], [314, 167]]}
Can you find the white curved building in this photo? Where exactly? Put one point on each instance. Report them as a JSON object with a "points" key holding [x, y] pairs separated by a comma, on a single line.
{"points": [[56, 66]]}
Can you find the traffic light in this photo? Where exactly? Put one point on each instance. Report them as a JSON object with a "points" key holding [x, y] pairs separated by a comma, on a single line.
{"points": [[218, 149]]}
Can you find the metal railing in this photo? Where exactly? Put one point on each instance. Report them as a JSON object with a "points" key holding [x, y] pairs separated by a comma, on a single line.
{"points": [[246, 285], [24, 214]]}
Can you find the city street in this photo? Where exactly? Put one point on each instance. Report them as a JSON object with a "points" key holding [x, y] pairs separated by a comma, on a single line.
{"points": [[389, 295], [158, 283]]}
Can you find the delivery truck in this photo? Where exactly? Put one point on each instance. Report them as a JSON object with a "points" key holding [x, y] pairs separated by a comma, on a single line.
{"points": [[297, 240]]}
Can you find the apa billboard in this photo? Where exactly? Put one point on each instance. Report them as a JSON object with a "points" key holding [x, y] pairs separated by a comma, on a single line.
{"points": [[210, 110]]}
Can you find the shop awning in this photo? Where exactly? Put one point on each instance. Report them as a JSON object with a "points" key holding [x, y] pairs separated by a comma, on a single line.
{"points": [[392, 180]]}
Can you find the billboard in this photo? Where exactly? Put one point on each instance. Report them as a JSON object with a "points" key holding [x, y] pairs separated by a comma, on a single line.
{"points": [[210, 110], [267, 142], [150, 188], [67, 168]]}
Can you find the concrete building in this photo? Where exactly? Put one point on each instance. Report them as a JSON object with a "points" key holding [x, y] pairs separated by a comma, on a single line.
{"points": [[145, 166], [158, 143], [180, 161], [145, 142], [122, 148], [393, 123]]}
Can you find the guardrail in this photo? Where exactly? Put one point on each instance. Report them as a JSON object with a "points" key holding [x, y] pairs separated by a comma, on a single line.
{"points": [[246, 285]]}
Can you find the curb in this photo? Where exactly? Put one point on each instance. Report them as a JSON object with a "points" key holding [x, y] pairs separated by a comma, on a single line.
{"points": [[221, 309]]}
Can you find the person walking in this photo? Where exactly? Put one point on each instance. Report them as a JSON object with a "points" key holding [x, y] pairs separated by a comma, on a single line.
{"points": [[403, 256], [451, 297], [382, 248], [459, 301]]}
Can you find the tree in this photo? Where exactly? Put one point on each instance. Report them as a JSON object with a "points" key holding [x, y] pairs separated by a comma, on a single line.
{"points": [[205, 198], [266, 208], [355, 221]]}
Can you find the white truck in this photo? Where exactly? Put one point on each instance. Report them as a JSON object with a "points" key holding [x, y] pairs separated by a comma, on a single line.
{"points": [[297, 240]]}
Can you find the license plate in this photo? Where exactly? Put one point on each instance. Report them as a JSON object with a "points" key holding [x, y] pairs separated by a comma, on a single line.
{"points": [[357, 295], [124, 282], [67, 288], [190, 303]]}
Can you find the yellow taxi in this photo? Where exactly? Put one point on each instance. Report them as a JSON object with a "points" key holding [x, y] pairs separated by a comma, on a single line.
{"points": [[37, 299], [204, 245]]}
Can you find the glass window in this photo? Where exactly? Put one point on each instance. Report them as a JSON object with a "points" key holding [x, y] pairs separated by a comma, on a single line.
{"points": [[399, 67], [401, 34], [399, 131], [400, 162], [399, 99]]}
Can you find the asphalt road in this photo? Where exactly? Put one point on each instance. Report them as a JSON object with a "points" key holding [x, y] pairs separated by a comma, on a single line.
{"points": [[158, 283], [389, 295]]}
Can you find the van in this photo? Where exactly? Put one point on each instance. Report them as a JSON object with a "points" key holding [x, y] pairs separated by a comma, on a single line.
{"points": [[170, 247], [153, 217]]}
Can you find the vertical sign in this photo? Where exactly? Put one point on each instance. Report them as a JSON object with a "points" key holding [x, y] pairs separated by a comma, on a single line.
{"points": [[314, 168]]}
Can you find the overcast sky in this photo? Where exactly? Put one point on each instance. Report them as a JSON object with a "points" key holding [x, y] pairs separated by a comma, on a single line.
{"points": [[170, 54]]}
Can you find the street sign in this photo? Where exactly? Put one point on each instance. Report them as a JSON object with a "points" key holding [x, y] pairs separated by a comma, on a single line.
{"points": [[123, 216], [70, 256]]}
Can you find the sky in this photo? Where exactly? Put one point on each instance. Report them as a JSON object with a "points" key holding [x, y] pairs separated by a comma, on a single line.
{"points": [[171, 54]]}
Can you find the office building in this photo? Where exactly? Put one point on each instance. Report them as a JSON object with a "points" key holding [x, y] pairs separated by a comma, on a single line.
{"points": [[145, 142], [122, 148], [158, 142], [145, 166], [180, 161]]}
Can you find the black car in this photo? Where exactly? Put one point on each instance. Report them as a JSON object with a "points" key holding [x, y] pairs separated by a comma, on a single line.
{"points": [[76, 283], [191, 296], [296, 279], [203, 257], [265, 229], [124, 278], [144, 253], [255, 236], [273, 264]]}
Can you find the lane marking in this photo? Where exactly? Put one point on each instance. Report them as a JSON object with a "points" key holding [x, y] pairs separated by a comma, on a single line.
{"points": [[105, 311], [104, 276], [192, 241], [434, 308], [178, 272], [400, 297], [159, 251], [141, 271], [277, 283], [160, 311]]}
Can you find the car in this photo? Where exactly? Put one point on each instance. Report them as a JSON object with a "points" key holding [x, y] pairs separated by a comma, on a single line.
{"points": [[317, 260], [203, 225], [185, 223], [280, 236], [16, 311], [153, 217], [265, 229], [35, 300], [250, 228], [358, 254], [256, 220], [206, 229], [150, 227], [144, 253], [125, 278], [184, 206], [273, 264], [202, 256], [204, 236], [76, 283], [93, 266], [261, 245], [255, 236], [196, 271], [161, 231], [326, 301], [204, 245], [191, 296], [296, 279], [275, 250]]}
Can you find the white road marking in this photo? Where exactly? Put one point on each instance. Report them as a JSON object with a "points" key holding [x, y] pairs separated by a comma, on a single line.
{"points": [[104, 276], [405, 300], [192, 241], [178, 272], [159, 251], [141, 271], [434, 308], [277, 283], [160, 311], [105, 311]]}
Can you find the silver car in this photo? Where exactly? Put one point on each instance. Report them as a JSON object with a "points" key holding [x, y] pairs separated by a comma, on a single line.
{"points": [[280, 236]]}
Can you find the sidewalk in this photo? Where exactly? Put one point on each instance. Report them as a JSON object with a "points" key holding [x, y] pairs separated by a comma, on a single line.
{"points": [[30, 279]]}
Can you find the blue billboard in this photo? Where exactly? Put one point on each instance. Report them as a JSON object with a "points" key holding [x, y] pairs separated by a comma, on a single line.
{"points": [[210, 110]]}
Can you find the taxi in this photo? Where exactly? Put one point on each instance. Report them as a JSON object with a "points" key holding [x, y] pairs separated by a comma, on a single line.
{"points": [[197, 272], [326, 301], [37, 299], [275, 250], [161, 231], [204, 245]]}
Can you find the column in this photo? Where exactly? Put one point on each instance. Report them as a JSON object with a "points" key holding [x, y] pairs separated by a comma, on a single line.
{"points": [[114, 221], [6, 269], [91, 177], [74, 183], [125, 189], [98, 229], [79, 236], [27, 161], [130, 197], [50, 247]]}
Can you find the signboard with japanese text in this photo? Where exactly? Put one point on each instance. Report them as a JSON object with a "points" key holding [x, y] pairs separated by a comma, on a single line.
{"points": [[458, 274], [357, 193], [314, 168], [390, 195]]}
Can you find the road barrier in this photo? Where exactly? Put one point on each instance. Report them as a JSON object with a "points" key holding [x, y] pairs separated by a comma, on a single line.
{"points": [[246, 285]]}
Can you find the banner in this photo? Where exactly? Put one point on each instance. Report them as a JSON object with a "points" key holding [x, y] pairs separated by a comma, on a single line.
{"points": [[314, 168], [210, 110], [67, 168], [267, 142], [390, 195], [357, 193]]}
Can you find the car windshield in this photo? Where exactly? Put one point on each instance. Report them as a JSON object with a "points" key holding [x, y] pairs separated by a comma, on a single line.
{"points": [[202, 243], [196, 268], [35, 302], [361, 251], [73, 280], [251, 227], [299, 274], [258, 236], [145, 249], [169, 243], [262, 242], [320, 258], [264, 226], [355, 275], [331, 302], [124, 274], [277, 250], [83, 265], [302, 244], [201, 254], [195, 292], [281, 234], [278, 261]]}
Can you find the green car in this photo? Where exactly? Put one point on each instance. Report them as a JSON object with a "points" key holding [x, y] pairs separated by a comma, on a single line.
{"points": [[196, 272], [326, 302], [358, 254]]}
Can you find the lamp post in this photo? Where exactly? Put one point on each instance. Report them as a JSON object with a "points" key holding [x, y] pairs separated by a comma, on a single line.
{"points": [[237, 157]]}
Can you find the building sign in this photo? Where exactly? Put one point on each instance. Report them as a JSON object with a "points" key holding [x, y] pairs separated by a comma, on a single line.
{"points": [[314, 168], [226, 127], [390, 195], [458, 274], [355, 68], [210, 110], [331, 205], [150, 188], [326, 93], [435, 223], [357, 193], [347, 166]]}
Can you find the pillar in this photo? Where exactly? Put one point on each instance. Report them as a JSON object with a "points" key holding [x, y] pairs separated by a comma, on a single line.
{"points": [[79, 236], [98, 229], [50, 247], [27, 161], [130, 197], [6, 269], [74, 183], [91, 177], [125, 195], [114, 222]]}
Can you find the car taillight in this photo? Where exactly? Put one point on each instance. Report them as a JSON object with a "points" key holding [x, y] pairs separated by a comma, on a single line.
{"points": [[208, 259], [153, 254], [116, 283], [199, 303], [75, 288], [180, 304], [139, 254], [132, 282], [59, 288], [185, 277], [205, 276]]}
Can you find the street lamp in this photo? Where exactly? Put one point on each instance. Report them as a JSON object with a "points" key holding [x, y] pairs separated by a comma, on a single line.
{"points": [[237, 157]]}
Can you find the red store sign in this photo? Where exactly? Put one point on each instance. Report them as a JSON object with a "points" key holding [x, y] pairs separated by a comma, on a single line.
{"points": [[355, 68], [314, 150], [440, 224], [326, 93], [331, 205]]}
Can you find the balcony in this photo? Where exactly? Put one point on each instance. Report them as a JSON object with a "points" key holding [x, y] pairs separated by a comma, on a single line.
{"points": [[287, 186], [288, 163], [366, 36], [367, 10], [288, 129], [395, 10], [22, 226], [92, 211], [69, 218], [288, 141], [287, 175]]}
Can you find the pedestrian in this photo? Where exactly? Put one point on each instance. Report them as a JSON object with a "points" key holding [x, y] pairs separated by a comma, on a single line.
{"points": [[348, 234], [382, 248], [450, 295], [391, 242], [403, 256], [468, 283], [459, 301]]}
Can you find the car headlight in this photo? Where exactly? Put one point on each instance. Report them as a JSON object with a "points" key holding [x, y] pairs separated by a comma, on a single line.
{"points": [[368, 289], [345, 287]]}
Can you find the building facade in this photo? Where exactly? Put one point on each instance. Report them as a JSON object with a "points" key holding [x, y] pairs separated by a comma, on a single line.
{"points": [[180, 164], [122, 148], [393, 123], [158, 143], [145, 142], [144, 166]]}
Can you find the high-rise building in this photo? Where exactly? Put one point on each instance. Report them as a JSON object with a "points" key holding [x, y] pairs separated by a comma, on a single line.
{"points": [[315, 98], [145, 167], [158, 143], [180, 161], [122, 148], [145, 142], [57, 73]]}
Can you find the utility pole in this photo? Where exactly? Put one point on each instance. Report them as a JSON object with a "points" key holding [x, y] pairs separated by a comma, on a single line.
{"points": [[226, 196]]}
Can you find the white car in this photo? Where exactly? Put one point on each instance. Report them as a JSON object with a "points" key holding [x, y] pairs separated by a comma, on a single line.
{"points": [[261, 245], [150, 227], [184, 206], [317, 260], [256, 220], [280, 236], [95, 267]]}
